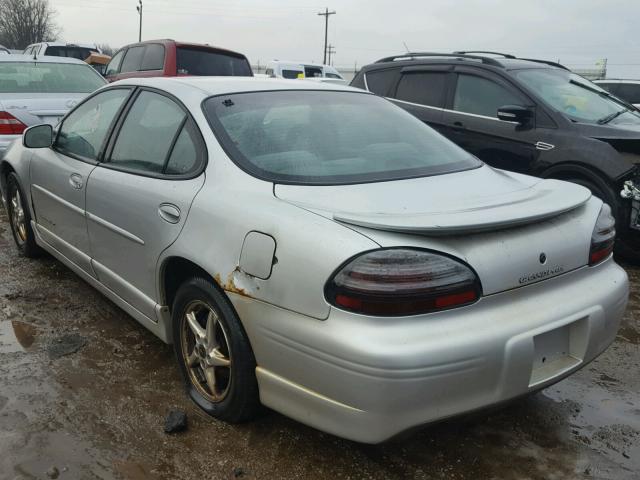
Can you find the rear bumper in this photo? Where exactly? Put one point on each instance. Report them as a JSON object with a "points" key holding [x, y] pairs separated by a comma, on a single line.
{"points": [[369, 379], [5, 143]]}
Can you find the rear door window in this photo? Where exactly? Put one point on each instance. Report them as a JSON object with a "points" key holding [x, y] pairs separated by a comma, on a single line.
{"points": [[424, 88], [312, 72], [147, 135], [291, 74], [153, 58], [629, 92], [379, 82], [132, 60], [196, 61], [481, 96]]}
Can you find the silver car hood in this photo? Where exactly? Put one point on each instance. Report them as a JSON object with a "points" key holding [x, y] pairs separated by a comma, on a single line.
{"points": [[471, 201]]}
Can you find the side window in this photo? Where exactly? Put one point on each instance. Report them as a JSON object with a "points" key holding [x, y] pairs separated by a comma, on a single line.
{"points": [[114, 65], [132, 60], [424, 88], [380, 82], [84, 131], [291, 73], [609, 87], [480, 96], [184, 156], [153, 58], [147, 134], [629, 92]]}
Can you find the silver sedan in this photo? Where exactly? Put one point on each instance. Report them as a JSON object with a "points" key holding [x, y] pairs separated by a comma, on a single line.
{"points": [[318, 250]]}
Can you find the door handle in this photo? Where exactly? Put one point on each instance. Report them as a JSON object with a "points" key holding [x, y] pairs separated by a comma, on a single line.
{"points": [[76, 181], [169, 213], [459, 126]]}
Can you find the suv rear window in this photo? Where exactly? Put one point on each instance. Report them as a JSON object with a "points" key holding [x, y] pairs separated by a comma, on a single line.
{"points": [[80, 53], [281, 136], [196, 61], [41, 77]]}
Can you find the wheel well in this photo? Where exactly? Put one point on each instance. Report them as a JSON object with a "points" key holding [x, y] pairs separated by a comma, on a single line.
{"points": [[569, 172], [176, 271], [5, 170]]}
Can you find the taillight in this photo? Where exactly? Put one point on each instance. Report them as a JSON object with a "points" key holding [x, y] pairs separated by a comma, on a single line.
{"points": [[603, 236], [10, 125], [402, 281]]}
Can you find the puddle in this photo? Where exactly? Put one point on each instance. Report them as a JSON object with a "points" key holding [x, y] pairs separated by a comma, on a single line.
{"points": [[16, 336]]}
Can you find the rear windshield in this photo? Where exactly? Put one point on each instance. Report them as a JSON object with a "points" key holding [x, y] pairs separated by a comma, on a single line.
{"points": [[329, 138], [194, 61], [80, 53], [32, 77]]}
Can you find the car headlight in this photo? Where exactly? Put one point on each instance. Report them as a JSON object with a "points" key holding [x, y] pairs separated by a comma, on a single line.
{"points": [[402, 281]]}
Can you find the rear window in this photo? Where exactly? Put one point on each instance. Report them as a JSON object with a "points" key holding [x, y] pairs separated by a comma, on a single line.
{"points": [[32, 77], [80, 53], [195, 61], [329, 137]]}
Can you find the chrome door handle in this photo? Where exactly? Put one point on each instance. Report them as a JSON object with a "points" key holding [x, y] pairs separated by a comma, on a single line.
{"points": [[76, 181], [169, 213]]}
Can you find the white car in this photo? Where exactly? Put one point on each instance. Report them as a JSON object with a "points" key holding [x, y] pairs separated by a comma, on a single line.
{"points": [[40, 90], [296, 70], [627, 90], [60, 49]]}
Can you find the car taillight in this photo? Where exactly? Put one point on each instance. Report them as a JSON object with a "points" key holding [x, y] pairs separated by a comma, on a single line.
{"points": [[10, 125], [603, 236], [402, 281]]}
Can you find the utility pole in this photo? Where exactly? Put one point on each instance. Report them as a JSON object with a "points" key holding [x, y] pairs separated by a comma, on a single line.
{"points": [[330, 50], [325, 14], [139, 9]]}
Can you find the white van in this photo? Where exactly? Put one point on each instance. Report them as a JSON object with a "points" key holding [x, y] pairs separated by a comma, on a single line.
{"points": [[293, 70]]}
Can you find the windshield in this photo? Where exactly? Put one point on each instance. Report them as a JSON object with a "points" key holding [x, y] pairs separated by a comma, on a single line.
{"points": [[576, 97], [195, 61], [37, 77], [329, 137]]}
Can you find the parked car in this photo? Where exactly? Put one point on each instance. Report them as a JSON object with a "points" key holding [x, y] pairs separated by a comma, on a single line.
{"points": [[168, 58], [41, 90], [363, 286], [628, 90], [528, 116], [60, 49], [295, 70]]}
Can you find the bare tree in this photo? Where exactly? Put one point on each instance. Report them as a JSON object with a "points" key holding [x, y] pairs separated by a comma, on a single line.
{"points": [[23, 22]]}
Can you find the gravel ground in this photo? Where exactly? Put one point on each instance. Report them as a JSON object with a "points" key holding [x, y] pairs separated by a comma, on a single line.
{"points": [[84, 392]]}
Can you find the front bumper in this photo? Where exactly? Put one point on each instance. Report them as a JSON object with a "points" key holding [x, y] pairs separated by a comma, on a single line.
{"points": [[369, 379]]}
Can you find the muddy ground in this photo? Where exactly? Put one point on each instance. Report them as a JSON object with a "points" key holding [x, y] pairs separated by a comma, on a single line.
{"points": [[85, 389]]}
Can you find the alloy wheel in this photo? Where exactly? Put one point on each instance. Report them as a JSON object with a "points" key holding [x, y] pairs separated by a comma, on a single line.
{"points": [[205, 351], [18, 218]]}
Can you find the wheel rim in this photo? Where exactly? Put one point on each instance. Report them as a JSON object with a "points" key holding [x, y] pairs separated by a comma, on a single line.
{"points": [[205, 351], [18, 218]]}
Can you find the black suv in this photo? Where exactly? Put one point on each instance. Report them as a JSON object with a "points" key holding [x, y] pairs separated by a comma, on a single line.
{"points": [[528, 116]]}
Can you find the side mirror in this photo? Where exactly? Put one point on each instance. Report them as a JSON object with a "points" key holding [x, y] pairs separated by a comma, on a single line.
{"points": [[515, 113], [38, 136]]}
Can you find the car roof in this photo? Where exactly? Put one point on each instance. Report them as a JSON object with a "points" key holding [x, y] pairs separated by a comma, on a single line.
{"points": [[486, 59], [65, 44], [209, 86], [40, 59]]}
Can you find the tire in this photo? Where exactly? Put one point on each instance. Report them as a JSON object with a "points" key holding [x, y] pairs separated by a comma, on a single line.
{"points": [[220, 356], [623, 247], [20, 219]]}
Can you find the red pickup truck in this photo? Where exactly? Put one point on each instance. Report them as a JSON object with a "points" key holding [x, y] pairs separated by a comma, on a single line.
{"points": [[168, 58]]}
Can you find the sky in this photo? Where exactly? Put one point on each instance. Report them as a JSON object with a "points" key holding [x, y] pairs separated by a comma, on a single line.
{"points": [[576, 32]]}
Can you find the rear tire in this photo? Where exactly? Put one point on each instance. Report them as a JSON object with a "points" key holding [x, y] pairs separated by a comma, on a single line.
{"points": [[20, 219], [213, 352]]}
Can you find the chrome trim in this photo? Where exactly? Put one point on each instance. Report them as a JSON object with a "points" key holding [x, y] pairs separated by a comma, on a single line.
{"points": [[417, 104], [58, 199], [115, 229], [366, 84], [450, 111], [544, 146]]}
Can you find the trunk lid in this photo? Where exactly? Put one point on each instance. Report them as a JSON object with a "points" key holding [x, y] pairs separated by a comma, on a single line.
{"points": [[36, 108], [514, 230]]}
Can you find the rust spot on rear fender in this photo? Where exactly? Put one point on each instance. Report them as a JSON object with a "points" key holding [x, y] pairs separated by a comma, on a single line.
{"points": [[231, 284]]}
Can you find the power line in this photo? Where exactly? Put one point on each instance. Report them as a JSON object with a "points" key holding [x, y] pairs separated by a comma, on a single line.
{"points": [[326, 15]]}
